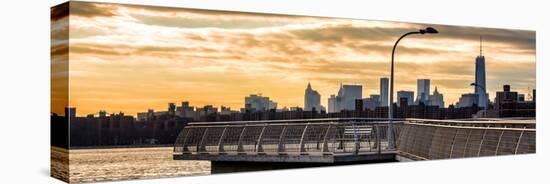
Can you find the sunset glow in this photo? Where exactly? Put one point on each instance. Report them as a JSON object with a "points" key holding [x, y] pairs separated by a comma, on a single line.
{"points": [[133, 58]]}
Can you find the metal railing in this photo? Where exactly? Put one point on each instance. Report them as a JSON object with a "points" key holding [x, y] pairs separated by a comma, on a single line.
{"points": [[415, 138], [435, 139], [287, 137]]}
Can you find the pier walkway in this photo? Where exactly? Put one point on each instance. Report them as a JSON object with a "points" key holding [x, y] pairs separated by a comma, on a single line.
{"points": [[348, 140]]}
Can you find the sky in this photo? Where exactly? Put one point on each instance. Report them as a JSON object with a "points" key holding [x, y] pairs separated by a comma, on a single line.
{"points": [[127, 58]]}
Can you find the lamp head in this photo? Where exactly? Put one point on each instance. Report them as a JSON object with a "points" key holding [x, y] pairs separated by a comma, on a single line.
{"points": [[429, 30]]}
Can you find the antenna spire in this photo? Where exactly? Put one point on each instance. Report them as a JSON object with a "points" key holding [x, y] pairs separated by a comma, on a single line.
{"points": [[481, 45]]}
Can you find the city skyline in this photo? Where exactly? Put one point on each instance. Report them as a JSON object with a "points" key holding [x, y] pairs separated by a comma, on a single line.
{"points": [[160, 55], [259, 103]]}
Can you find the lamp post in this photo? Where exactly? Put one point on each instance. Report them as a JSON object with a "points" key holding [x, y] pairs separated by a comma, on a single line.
{"points": [[485, 97], [428, 30]]}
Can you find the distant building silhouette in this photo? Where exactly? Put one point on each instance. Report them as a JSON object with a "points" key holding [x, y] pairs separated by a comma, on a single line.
{"points": [[509, 103], [436, 99], [346, 98], [257, 102], [312, 100], [384, 92], [185, 110], [407, 95], [370, 103], [480, 78], [468, 100], [144, 116], [162, 127], [334, 103], [423, 90]]}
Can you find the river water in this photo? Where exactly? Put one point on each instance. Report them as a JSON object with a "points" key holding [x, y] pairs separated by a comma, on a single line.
{"points": [[87, 165]]}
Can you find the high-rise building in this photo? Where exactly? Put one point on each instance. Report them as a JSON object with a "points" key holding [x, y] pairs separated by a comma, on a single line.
{"points": [[423, 90], [345, 100], [436, 99], [384, 94], [467, 100], [350, 93], [259, 103], [480, 90], [408, 95], [312, 100], [508, 104], [369, 103], [506, 95], [376, 98], [333, 103]]}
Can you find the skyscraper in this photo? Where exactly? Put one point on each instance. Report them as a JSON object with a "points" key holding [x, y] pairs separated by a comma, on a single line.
{"points": [[423, 90], [312, 100], [372, 102], [467, 100], [376, 98], [480, 90], [345, 100], [350, 94], [409, 95], [384, 97], [436, 99], [506, 95], [333, 103]]}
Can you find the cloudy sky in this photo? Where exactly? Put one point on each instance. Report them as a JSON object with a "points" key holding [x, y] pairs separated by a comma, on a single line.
{"points": [[131, 58]]}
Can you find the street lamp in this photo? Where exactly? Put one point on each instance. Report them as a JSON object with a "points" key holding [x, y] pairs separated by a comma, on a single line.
{"points": [[485, 97], [428, 30]]}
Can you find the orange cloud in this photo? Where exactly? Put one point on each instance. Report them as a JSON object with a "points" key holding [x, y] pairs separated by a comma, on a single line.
{"points": [[130, 58]]}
